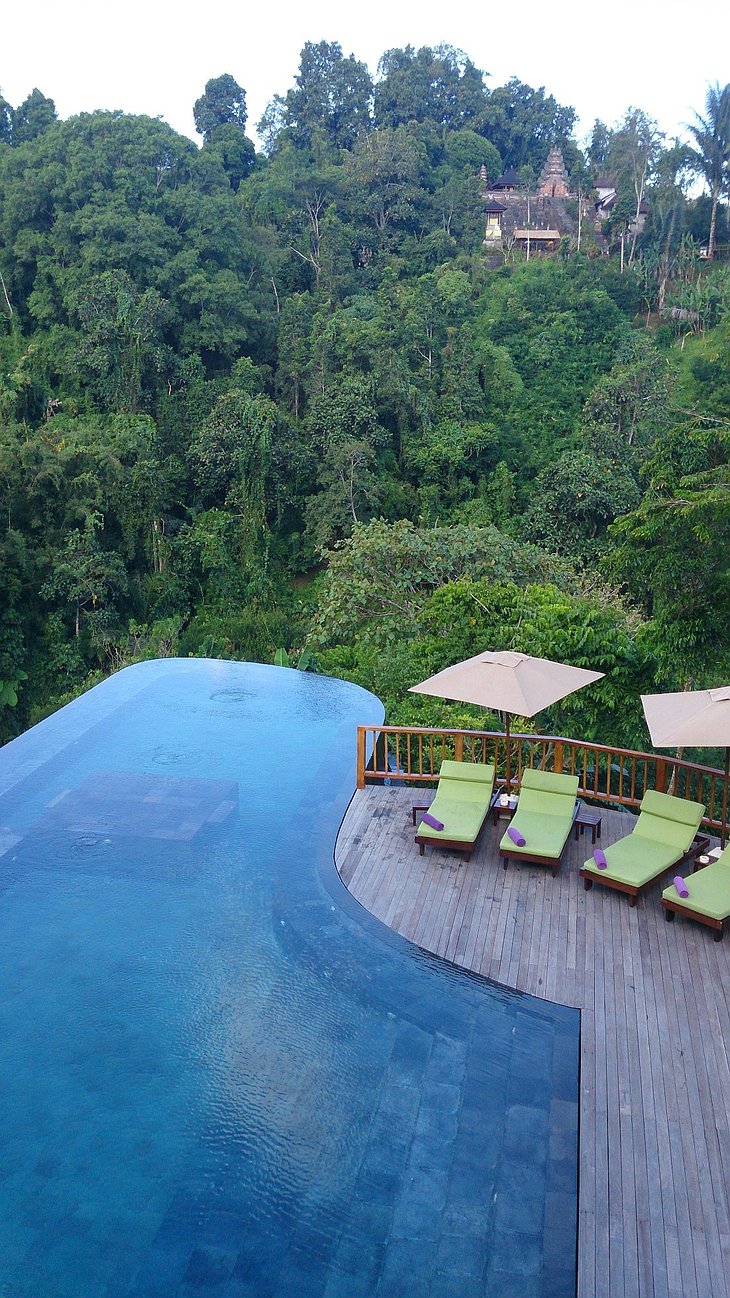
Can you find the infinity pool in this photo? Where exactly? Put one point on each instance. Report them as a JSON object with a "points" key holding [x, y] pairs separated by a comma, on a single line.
{"points": [[220, 1077]]}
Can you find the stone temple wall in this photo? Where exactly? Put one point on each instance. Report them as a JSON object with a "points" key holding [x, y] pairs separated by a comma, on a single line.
{"points": [[545, 213]]}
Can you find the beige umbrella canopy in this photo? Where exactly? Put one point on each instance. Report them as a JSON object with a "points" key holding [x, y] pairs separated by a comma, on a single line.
{"points": [[692, 718], [508, 682]]}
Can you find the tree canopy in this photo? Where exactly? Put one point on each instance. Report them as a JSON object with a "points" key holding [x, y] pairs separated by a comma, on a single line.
{"points": [[289, 399]]}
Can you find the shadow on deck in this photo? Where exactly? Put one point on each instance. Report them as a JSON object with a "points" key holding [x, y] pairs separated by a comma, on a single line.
{"points": [[654, 1207]]}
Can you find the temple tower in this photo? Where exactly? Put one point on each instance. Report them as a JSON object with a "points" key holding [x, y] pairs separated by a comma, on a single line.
{"points": [[553, 182]]}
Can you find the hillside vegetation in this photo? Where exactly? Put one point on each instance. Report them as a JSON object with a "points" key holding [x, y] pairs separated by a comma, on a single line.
{"points": [[253, 401]]}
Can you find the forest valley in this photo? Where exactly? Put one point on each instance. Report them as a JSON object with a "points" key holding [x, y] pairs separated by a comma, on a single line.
{"points": [[282, 403]]}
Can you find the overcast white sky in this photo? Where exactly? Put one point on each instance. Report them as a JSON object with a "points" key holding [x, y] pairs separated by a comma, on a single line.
{"points": [[154, 57]]}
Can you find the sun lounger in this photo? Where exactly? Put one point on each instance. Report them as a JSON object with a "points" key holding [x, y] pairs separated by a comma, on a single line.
{"points": [[709, 896], [462, 801], [544, 817], [661, 838]]}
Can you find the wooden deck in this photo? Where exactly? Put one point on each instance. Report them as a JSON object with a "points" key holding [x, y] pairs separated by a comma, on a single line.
{"points": [[654, 1210]]}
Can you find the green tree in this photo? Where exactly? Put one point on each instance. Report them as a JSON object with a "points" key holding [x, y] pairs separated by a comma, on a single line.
{"points": [[32, 117], [295, 327], [235, 151], [121, 338], [331, 94], [633, 404], [223, 103], [575, 499], [6, 120], [231, 457], [523, 123], [379, 579], [633, 155], [385, 170], [104, 193], [439, 85], [599, 145], [672, 553], [347, 436], [448, 463], [86, 581], [711, 156]]}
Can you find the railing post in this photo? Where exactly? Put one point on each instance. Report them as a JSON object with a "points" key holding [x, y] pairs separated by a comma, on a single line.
{"points": [[558, 762], [361, 757], [660, 778], [459, 748]]}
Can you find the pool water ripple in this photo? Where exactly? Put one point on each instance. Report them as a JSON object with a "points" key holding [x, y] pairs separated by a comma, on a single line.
{"points": [[220, 1076]]}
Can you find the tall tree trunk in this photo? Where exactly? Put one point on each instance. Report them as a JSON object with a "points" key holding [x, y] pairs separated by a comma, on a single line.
{"points": [[713, 223]]}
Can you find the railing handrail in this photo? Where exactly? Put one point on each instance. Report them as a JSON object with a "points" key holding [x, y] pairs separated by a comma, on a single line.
{"points": [[392, 750], [548, 739]]}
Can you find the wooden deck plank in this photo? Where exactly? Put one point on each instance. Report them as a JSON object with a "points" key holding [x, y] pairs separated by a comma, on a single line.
{"points": [[654, 1202]]}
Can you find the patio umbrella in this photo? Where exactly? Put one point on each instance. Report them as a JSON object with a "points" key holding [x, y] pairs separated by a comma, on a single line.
{"points": [[692, 718], [514, 683]]}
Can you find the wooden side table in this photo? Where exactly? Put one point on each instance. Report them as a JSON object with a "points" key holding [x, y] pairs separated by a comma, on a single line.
{"points": [[699, 849], [500, 810], [588, 818], [420, 806]]}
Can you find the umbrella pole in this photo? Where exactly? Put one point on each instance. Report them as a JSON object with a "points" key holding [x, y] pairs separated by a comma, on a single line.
{"points": [[724, 839], [507, 774]]}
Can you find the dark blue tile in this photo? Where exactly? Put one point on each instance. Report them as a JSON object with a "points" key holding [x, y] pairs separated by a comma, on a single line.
{"points": [[462, 1255], [559, 1282], [259, 1262], [398, 1104], [448, 1285], [407, 1269], [561, 1176], [524, 1213], [411, 1053], [501, 1285], [515, 1254], [415, 1219], [223, 1229], [563, 1137], [301, 1273], [160, 1273], [208, 1268], [471, 1216], [437, 1124], [342, 1284], [561, 1211], [526, 1134], [360, 1256]]}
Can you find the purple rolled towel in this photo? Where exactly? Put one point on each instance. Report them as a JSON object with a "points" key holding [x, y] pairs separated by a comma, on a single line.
{"points": [[599, 856], [516, 836], [681, 886], [428, 819]]}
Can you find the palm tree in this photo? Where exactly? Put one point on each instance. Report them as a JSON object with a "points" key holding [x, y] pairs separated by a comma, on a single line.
{"points": [[711, 157]]}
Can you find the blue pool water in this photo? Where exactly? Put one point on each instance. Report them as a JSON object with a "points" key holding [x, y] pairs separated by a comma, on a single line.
{"points": [[219, 1076]]}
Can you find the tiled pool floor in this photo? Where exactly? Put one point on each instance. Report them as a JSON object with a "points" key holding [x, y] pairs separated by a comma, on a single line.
{"points": [[139, 806], [220, 1076]]}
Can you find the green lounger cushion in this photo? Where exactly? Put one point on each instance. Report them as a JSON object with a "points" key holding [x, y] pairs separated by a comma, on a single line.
{"points": [[709, 890], [635, 859], [544, 815], [661, 836], [462, 801]]}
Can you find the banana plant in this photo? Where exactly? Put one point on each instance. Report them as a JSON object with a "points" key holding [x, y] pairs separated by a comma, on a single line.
{"points": [[9, 690], [305, 661]]}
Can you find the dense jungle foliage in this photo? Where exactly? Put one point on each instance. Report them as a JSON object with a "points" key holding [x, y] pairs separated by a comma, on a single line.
{"points": [[254, 401]]}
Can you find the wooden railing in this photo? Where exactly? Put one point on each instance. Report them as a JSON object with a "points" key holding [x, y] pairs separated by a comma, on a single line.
{"points": [[619, 776]]}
